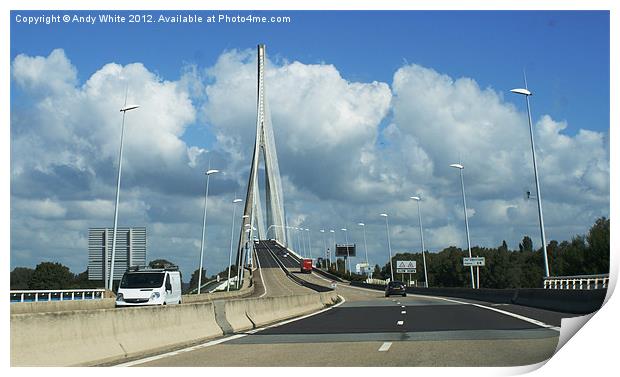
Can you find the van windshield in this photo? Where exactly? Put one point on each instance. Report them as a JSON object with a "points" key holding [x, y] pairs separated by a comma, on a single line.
{"points": [[143, 280]]}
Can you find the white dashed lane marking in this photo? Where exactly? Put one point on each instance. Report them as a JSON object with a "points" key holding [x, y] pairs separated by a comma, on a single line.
{"points": [[403, 312], [400, 323], [385, 346]]}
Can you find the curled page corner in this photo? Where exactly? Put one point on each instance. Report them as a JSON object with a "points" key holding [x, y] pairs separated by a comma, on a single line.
{"points": [[569, 328], [523, 369]]}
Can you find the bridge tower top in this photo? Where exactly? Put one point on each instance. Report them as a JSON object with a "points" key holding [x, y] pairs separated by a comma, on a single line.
{"points": [[265, 147]]}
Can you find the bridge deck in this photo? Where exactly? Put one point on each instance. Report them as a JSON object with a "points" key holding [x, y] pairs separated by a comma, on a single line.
{"points": [[272, 277]]}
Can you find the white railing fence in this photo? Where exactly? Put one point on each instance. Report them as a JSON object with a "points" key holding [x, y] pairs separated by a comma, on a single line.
{"points": [[56, 295], [577, 282], [376, 281]]}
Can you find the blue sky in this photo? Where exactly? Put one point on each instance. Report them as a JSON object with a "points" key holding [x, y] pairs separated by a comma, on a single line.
{"points": [[368, 108], [493, 47]]}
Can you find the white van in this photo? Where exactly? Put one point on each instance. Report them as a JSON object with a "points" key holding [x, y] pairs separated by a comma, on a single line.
{"points": [[150, 287]]}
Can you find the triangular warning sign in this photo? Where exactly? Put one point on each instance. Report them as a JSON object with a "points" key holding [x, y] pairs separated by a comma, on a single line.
{"points": [[401, 264], [410, 265]]}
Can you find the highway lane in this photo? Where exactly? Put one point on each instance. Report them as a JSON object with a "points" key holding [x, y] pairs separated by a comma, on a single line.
{"points": [[371, 330], [292, 263], [273, 278], [353, 293]]}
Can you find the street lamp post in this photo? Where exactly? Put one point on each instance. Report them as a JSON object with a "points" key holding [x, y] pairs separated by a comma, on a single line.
{"points": [[248, 249], [293, 239], [299, 249], [333, 232], [417, 199], [527, 95], [461, 167], [300, 242], [303, 241], [241, 256], [324, 242], [124, 110], [232, 232], [346, 241], [365, 246], [309, 243], [387, 227], [204, 226]]}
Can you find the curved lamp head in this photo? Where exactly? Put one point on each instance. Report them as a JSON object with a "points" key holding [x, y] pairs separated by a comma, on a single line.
{"points": [[384, 215], [322, 230], [344, 229], [127, 108], [361, 224], [238, 201], [212, 171], [524, 92], [416, 198], [458, 166], [331, 231]]}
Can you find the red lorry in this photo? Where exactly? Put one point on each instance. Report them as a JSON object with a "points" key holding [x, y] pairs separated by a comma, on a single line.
{"points": [[306, 265]]}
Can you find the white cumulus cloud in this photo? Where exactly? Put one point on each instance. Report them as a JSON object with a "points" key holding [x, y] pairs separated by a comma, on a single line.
{"points": [[348, 151]]}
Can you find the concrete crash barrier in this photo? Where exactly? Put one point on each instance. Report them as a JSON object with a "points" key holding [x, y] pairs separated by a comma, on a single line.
{"points": [[108, 302], [236, 314], [561, 300], [329, 275], [496, 296], [251, 313], [59, 306], [90, 337], [246, 290]]}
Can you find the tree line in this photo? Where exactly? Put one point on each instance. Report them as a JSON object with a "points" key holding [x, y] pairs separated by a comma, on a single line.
{"points": [[54, 275], [523, 268]]}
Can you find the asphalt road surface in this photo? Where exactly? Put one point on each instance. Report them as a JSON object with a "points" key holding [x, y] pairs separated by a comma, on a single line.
{"points": [[269, 275], [369, 329]]}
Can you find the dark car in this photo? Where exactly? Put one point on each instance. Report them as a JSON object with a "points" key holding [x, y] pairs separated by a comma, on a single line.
{"points": [[395, 288]]}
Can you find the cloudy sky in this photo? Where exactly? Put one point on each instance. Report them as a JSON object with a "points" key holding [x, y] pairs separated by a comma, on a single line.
{"points": [[363, 119]]}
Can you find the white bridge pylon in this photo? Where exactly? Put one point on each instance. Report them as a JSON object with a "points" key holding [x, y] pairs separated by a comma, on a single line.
{"points": [[264, 146]]}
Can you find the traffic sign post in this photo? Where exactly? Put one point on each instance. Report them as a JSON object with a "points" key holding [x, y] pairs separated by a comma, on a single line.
{"points": [[406, 267], [475, 262]]}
